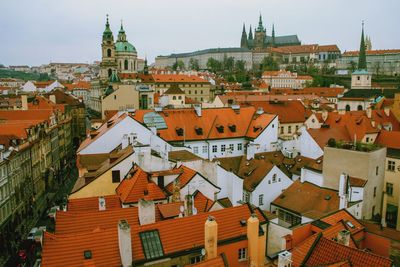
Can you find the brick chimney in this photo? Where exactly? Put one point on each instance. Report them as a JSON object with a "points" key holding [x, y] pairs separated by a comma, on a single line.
{"points": [[210, 238], [125, 243], [147, 212], [343, 237], [256, 242]]}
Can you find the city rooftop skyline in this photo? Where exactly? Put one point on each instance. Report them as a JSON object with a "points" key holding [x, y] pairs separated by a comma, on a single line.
{"points": [[70, 31]]}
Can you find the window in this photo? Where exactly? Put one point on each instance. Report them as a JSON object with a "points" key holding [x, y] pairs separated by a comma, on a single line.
{"points": [[282, 130], [115, 176], [108, 52], [151, 243], [377, 170], [115, 97], [125, 64], [239, 147], [246, 197], [375, 191], [288, 217], [358, 78], [274, 178], [195, 259], [242, 254], [205, 149], [196, 150], [391, 165], [214, 148], [231, 147], [389, 189], [179, 97], [174, 97], [261, 200], [297, 128], [223, 148], [289, 129], [367, 140], [347, 107]]}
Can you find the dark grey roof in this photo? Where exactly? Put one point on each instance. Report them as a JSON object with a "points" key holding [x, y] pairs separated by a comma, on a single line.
{"points": [[211, 50], [287, 39]]}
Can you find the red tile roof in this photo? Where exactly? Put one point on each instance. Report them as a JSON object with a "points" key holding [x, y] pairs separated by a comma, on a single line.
{"points": [[137, 185], [318, 91], [246, 123], [177, 78], [92, 203], [345, 216], [185, 176], [287, 111], [357, 182], [390, 139], [201, 202]]}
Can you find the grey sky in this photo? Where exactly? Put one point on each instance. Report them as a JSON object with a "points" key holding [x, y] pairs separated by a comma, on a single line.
{"points": [[35, 32]]}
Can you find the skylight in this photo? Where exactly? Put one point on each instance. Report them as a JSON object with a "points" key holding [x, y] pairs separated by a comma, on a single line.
{"points": [[152, 119], [151, 244]]}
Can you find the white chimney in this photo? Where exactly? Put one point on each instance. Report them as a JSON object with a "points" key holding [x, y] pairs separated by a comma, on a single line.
{"points": [[260, 111], [369, 112], [343, 237], [387, 111], [342, 184], [24, 102], [147, 212], [285, 259], [125, 243], [52, 98], [125, 141], [324, 115], [102, 203], [251, 149], [197, 109]]}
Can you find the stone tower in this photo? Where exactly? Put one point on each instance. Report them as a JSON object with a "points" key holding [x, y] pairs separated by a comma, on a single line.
{"points": [[259, 34], [108, 64]]}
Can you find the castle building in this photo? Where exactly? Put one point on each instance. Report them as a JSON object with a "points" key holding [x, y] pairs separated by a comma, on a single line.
{"points": [[117, 57], [262, 40]]}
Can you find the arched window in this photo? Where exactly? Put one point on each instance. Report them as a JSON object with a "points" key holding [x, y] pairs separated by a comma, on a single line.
{"points": [[347, 107], [126, 64], [108, 52], [174, 98], [109, 72], [359, 107]]}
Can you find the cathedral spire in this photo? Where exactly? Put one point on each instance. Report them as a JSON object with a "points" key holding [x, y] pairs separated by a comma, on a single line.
{"points": [[107, 34], [250, 33], [273, 35], [260, 24], [121, 34], [243, 41], [362, 58]]}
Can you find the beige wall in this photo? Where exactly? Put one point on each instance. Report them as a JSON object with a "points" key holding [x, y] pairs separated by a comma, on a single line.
{"points": [[287, 130], [196, 91], [101, 186], [126, 96], [358, 164]]}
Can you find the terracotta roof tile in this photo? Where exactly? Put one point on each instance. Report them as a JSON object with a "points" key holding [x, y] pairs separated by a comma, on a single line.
{"points": [[357, 182], [185, 176], [390, 139], [177, 78], [92, 203]]}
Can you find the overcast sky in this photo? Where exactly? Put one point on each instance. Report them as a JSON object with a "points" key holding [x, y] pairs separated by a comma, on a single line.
{"points": [[35, 32]]}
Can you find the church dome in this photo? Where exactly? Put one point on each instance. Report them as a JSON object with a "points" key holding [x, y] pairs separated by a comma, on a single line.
{"points": [[124, 46]]}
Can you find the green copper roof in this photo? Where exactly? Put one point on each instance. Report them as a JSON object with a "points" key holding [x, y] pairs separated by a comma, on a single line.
{"points": [[109, 90], [124, 47], [114, 78], [107, 31], [361, 72]]}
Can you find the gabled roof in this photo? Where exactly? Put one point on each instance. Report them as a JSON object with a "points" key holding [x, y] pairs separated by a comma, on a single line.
{"points": [[308, 200], [137, 185], [174, 90], [244, 123], [178, 78], [390, 139]]}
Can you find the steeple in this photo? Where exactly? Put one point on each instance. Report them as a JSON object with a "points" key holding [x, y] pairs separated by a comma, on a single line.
{"points": [[273, 35], [260, 25], [243, 41], [121, 34], [107, 34], [362, 58], [145, 68], [250, 33]]}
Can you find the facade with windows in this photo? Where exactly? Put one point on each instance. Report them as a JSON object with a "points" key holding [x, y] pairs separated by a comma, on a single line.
{"points": [[392, 184]]}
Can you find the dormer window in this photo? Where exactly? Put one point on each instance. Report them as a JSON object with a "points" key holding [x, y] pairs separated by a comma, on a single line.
{"points": [[199, 130], [256, 128], [232, 127], [179, 131], [220, 128]]}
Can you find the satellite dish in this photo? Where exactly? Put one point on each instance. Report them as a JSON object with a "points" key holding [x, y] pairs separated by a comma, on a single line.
{"points": [[203, 252], [182, 208]]}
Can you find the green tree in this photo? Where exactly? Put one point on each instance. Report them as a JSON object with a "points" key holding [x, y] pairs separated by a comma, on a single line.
{"points": [[214, 65], [352, 66], [268, 63], [240, 66], [228, 63], [194, 64], [178, 65]]}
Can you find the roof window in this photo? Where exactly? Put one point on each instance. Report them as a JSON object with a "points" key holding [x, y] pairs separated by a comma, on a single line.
{"points": [[179, 131], [151, 244]]}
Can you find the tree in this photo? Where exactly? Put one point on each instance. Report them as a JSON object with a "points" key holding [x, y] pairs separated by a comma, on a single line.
{"points": [[268, 63], [178, 65], [228, 63], [240, 66], [194, 64], [214, 65]]}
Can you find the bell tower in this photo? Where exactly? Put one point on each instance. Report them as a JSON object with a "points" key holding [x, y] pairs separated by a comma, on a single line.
{"points": [[108, 63], [259, 34]]}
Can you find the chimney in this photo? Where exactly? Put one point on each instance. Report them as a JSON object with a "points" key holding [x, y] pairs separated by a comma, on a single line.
{"points": [[188, 205], [197, 109], [343, 191], [343, 237], [387, 111], [125, 141], [250, 151], [369, 112], [147, 212], [24, 102], [324, 115], [210, 238], [102, 203], [285, 259], [253, 225], [53, 99], [125, 243], [260, 110]]}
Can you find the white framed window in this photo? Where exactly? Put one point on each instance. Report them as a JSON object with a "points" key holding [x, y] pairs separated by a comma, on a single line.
{"points": [[242, 254], [231, 147], [196, 150], [214, 148], [274, 178], [391, 165], [261, 200], [223, 148], [205, 149], [239, 147]]}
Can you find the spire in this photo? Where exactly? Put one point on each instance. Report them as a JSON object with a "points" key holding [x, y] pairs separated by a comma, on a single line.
{"points": [[260, 25], [145, 68], [250, 33], [273, 35], [121, 34], [107, 34], [362, 58], [243, 41]]}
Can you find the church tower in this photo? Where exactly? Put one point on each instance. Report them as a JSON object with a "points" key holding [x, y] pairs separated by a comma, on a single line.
{"points": [[362, 57], [361, 78], [273, 36], [125, 54], [243, 40], [259, 34], [108, 64]]}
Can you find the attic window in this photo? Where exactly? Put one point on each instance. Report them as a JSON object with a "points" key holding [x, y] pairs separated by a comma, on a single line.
{"points": [[359, 120], [232, 127], [349, 223], [327, 198], [151, 244], [199, 130], [87, 254], [179, 131], [220, 128], [256, 128], [243, 222]]}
